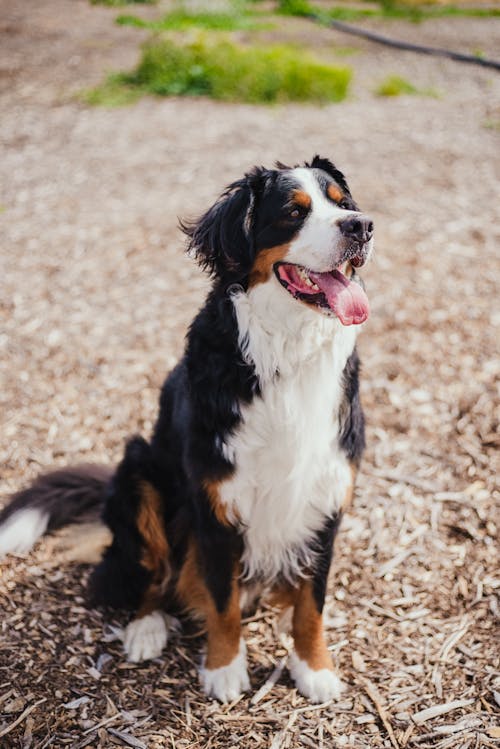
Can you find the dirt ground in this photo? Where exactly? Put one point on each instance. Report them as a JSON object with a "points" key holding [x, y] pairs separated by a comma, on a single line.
{"points": [[95, 296]]}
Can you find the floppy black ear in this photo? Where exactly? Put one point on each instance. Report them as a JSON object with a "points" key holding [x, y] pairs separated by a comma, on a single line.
{"points": [[326, 165], [222, 239]]}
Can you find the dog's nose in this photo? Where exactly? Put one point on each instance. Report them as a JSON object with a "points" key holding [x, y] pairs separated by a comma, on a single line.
{"points": [[358, 227]]}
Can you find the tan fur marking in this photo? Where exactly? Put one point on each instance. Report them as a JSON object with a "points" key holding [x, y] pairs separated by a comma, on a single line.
{"points": [[224, 633], [150, 526], [223, 628], [191, 590], [350, 490], [307, 629], [263, 266], [301, 198], [151, 602], [334, 193], [281, 597], [220, 512], [156, 554]]}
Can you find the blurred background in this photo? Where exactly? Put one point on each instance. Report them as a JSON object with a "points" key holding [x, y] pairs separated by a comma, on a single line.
{"points": [[116, 119]]}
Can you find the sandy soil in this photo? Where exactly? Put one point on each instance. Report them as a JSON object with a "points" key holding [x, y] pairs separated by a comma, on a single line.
{"points": [[95, 296]]}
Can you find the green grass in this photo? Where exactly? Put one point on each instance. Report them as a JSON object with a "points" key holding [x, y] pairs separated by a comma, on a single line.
{"points": [[241, 18], [394, 85], [114, 92], [182, 20], [409, 11], [120, 3], [295, 7], [303, 8], [391, 9], [226, 71]]}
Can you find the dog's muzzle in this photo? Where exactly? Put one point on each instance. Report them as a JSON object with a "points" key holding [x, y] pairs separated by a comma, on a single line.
{"points": [[358, 231]]}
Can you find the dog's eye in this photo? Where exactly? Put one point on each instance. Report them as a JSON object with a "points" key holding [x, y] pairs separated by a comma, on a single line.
{"points": [[295, 213], [344, 204]]}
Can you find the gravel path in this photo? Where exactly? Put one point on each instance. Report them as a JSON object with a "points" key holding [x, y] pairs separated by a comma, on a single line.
{"points": [[95, 296]]}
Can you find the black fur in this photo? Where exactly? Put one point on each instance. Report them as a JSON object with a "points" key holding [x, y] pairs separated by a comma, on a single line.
{"points": [[120, 580], [324, 551], [325, 165], [352, 426], [219, 548], [214, 236], [223, 239]]}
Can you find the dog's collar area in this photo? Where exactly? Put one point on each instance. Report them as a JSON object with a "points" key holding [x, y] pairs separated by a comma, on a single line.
{"points": [[329, 291]]}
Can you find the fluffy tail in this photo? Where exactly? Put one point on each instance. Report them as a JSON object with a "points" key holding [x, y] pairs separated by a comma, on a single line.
{"points": [[54, 500]]}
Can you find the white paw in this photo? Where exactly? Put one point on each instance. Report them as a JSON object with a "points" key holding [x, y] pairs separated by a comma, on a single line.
{"points": [[227, 682], [146, 637], [317, 686]]}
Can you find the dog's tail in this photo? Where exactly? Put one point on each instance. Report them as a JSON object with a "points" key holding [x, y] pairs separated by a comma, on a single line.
{"points": [[54, 500]]}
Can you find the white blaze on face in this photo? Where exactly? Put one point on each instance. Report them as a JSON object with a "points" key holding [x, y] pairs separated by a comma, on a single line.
{"points": [[318, 245]]}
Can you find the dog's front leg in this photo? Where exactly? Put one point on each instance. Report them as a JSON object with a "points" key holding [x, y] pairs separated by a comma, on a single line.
{"points": [[310, 662], [224, 672], [209, 587]]}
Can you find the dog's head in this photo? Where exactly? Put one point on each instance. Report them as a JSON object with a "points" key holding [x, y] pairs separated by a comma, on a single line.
{"points": [[298, 228]]}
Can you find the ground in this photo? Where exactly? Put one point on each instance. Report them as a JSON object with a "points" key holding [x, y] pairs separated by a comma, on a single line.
{"points": [[95, 296]]}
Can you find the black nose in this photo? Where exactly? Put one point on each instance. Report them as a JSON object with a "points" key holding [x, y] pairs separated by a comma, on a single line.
{"points": [[359, 228]]}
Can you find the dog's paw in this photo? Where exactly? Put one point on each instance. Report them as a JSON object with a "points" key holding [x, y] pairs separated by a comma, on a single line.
{"points": [[317, 686], [227, 682], [146, 637]]}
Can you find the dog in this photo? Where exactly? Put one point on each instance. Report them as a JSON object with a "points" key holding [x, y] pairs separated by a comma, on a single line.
{"points": [[260, 433]]}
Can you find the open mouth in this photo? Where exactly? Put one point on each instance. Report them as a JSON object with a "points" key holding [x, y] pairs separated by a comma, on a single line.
{"points": [[329, 292]]}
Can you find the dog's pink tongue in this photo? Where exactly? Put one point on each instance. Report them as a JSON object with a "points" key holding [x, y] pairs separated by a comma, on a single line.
{"points": [[346, 298]]}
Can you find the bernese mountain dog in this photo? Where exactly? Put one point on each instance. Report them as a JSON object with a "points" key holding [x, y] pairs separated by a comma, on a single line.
{"points": [[241, 488]]}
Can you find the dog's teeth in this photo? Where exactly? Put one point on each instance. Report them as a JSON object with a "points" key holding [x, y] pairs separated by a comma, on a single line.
{"points": [[304, 277], [307, 280]]}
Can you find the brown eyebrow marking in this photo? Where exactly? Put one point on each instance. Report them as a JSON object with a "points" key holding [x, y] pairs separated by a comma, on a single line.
{"points": [[301, 198], [334, 193]]}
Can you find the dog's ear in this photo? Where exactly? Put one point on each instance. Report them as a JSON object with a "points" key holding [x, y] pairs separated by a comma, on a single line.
{"points": [[326, 165], [222, 239]]}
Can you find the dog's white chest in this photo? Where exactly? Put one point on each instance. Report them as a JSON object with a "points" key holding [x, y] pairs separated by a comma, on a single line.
{"points": [[290, 474]]}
